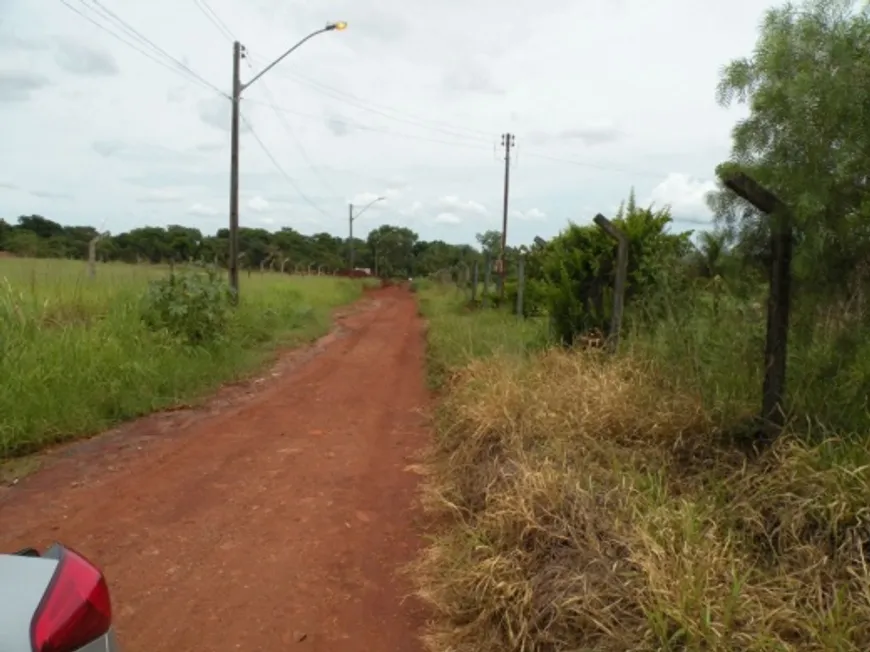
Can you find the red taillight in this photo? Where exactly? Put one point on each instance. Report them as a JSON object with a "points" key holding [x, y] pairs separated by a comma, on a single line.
{"points": [[75, 610]]}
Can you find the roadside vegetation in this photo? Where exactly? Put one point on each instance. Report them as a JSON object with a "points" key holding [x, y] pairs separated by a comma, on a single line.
{"points": [[78, 355], [587, 501]]}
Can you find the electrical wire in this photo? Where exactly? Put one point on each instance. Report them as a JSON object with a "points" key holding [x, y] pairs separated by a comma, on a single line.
{"points": [[215, 20], [196, 79], [298, 143], [383, 130], [283, 172], [368, 105], [136, 34]]}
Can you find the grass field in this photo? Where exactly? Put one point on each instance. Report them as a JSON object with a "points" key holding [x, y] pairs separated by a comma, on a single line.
{"points": [[590, 503], [75, 356]]}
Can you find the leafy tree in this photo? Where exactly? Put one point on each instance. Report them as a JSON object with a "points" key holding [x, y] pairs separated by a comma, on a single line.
{"points": [[490, 243], [392, 249], [806, 136]]}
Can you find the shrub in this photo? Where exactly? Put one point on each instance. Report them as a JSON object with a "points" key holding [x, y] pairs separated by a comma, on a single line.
{"points": [[575, 271], [194, 307]]}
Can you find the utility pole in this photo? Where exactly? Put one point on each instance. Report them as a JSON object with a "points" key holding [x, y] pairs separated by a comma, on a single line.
{"points": [[238, 87], [234, 172], [350, 238], [350, 218], [508, 140]]}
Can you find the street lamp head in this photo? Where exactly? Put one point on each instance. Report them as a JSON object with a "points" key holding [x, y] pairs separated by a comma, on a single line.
{"points": [[340, 25]]}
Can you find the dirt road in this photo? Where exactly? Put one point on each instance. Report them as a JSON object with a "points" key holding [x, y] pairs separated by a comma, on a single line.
{"points": [[277, 518]]}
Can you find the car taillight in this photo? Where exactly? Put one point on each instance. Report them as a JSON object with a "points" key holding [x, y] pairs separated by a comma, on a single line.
{"points": [[75, 609]]}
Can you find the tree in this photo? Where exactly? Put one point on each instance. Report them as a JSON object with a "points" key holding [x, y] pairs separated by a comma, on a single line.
{"points": [[392, 248], [807, 87], [490, 243]]}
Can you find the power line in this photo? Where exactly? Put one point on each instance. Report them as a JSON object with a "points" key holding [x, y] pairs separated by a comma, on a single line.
{"points": [[299, 146], [383, 130], [215, 20], [467, 144], [367, 105], [280, 169], [141, 51], [595, 166], [99, 8]]}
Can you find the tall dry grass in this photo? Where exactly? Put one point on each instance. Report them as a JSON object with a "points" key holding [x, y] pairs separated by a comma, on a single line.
{"points": [[587, 504]]}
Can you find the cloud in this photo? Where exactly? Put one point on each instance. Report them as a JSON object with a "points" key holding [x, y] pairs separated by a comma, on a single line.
{"points": [[448, 218], [17, 86], [201, 210], [685, 195], [471, 77], [412, 210], [531, 215], [369, 198], [50, 194], [338, 126], [160, 196], [259, 205], [469, 208], [6, 185], [408, 104], [80, 59], [216, 112], [589, 135]]}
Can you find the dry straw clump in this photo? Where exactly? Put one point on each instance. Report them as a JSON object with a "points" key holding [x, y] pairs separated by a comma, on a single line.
{"points": [[588, 507]]}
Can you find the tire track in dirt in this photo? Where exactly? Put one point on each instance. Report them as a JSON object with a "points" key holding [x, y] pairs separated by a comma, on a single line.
{"points": [[282, 518]]}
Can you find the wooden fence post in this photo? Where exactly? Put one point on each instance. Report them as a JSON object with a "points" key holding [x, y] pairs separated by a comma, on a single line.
{"points": [[475, 279], [620, 281], [779, 297], [92, 255], [521, 284], [487, 276]]}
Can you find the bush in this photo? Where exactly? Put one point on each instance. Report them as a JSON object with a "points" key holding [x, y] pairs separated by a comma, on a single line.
{"points": [[575, 271], [194, 307]]}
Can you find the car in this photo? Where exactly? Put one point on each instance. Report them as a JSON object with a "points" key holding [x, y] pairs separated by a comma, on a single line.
{"points": [[55, 601]]}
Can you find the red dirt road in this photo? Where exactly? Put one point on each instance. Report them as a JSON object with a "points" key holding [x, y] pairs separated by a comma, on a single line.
{"points": [[274, 520]]}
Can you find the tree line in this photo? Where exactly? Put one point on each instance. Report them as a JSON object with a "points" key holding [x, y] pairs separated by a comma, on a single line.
{"points": [[388, 250]]}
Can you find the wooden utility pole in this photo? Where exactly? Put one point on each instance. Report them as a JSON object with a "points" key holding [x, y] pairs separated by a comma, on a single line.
{"points": [[238, 87], [508, 140], [350, 234], [234, 171]]}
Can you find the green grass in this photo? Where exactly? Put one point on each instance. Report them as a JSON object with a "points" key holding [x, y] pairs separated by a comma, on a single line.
{"points": [[76, 358], [458, 334]]}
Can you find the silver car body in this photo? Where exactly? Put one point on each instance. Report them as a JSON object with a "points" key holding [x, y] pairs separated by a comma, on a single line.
{"points": [[23, 582]]}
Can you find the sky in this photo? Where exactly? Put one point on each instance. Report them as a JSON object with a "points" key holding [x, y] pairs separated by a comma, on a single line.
{"points": [[408, 103]]}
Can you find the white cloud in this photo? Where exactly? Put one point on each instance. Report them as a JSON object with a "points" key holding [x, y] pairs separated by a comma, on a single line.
{"points": [[380, 109], [412, 210], [258, 204], [202, 210], [531, 215], [684, 194], [447, 218], [363, 199], [159, 195], [467, 207]]}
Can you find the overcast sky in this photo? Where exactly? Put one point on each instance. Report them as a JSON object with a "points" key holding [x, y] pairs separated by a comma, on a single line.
{"points": [[408, 103]]}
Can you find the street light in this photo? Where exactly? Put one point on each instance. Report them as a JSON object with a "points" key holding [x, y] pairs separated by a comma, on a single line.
{"points": [[351, 218], [238, 87]]}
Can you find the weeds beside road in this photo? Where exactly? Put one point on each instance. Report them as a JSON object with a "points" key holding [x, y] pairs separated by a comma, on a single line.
{"points": [[77, 357], [599, 504]]}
